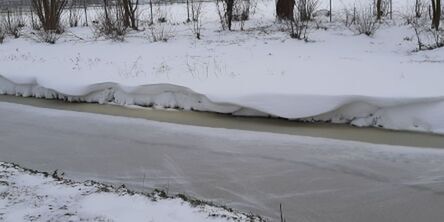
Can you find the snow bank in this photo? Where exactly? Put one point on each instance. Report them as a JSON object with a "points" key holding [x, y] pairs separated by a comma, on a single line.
{"points": [[27, 195], [415, 114], [156, 95], [339, 76]]}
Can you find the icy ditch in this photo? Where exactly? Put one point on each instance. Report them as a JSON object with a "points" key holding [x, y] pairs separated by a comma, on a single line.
{"points": [[30, 195], [413, 114]]}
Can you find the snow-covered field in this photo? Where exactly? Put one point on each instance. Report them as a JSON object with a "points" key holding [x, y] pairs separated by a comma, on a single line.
{"points": [[337, 76], [28, 195]]}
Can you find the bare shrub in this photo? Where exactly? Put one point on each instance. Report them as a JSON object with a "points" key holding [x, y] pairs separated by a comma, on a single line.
{"points": [[296, 27], [350, 16], [74, 15], [34, 23], [160, 32], [13, 23], [196, 18], [161, 14], [306, 9], [49, 36], [130, 15], [243, 9], [109, 23], [225, 10], [426, 37], [221, 8], [417, 26], [230, 11], [420, 8], [49, 13], [415, 13], [365, 22], [161, 29]]}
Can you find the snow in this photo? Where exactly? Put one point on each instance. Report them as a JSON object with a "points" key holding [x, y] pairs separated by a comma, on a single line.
{"points": [[26, 195], [338, 76]]}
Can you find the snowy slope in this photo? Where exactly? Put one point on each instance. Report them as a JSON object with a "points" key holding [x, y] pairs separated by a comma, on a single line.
{"points": [[26, 195], [339, 76]]}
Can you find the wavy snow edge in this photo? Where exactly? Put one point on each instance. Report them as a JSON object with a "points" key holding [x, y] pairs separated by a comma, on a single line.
{"points": [[27, 194], [412, 114]]}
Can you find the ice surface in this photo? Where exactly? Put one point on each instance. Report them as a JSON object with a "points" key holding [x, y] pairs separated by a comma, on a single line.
{"points": [[315, 179]]}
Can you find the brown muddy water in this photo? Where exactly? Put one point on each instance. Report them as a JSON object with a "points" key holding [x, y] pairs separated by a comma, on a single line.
{"points": [[273, 125]]}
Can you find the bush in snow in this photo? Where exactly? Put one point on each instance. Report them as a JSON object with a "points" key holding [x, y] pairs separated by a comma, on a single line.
{"points": [[381, 8], [221, 8], [349, 17], [306, 9], [74, 14], [160, 29], [297, 27], [426, 37], [196, 18], [49, 13], [13, 23], [420, 8], [130, 14], [234, 10], [50, 37], [242, 10], [225, 9], [364, 21], [34, 23], [109, 23]]}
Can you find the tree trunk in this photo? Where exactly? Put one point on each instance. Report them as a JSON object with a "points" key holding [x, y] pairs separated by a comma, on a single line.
{"points": [[284, 9], [105, 6], [49, 13], [85, 8], [151, 13], [436, 13], [378, 9], [188, 11], [229, 13]]}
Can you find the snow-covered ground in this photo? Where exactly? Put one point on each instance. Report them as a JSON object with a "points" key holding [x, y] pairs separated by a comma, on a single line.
{"points": [[338, 76], [28, 195]]}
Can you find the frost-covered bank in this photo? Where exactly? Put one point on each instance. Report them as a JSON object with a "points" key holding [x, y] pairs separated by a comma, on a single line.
{"points": [[28, 195], [337, 76]]}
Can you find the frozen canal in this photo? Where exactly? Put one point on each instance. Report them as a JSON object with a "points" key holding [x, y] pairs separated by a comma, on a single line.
{"points": [[315, 179]]}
